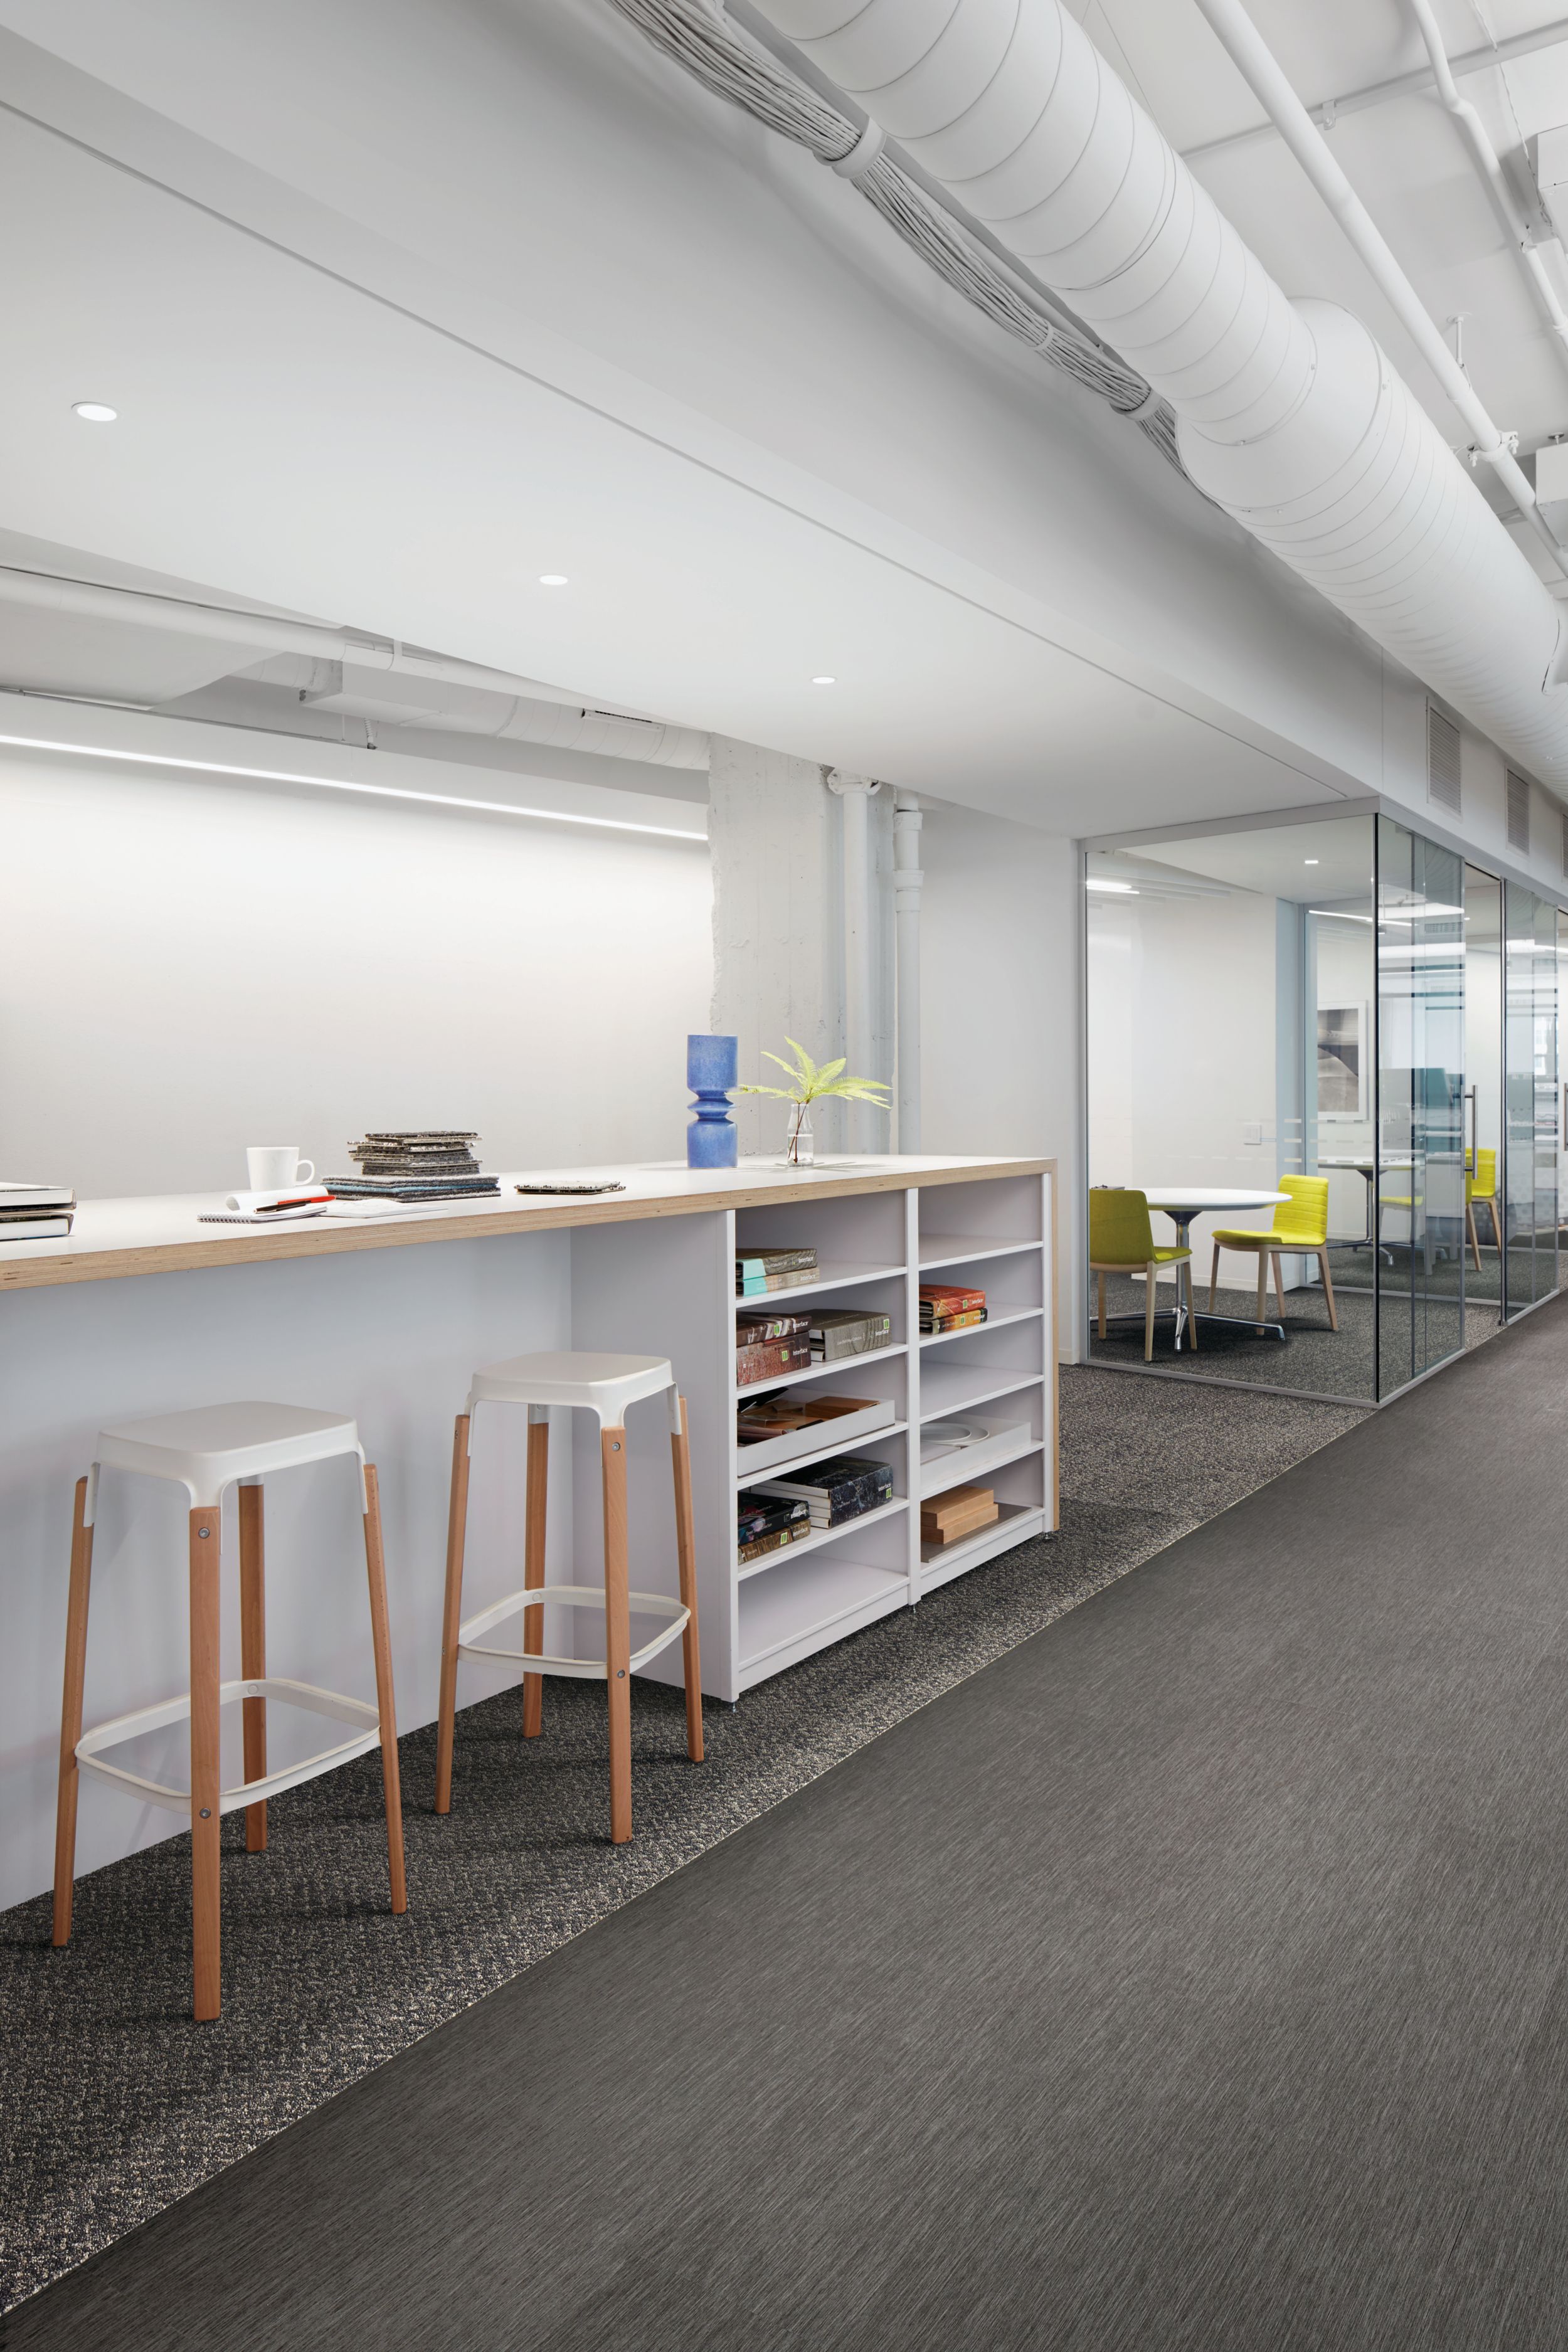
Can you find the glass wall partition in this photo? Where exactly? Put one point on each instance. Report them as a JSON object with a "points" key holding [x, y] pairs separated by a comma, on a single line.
{"points": [[1529, 1097], [1421, 1106], [1321, 1053]]}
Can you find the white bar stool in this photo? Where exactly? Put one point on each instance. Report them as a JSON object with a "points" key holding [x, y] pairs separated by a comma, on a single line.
{"points": [[605, 1385], [207, 1451]]}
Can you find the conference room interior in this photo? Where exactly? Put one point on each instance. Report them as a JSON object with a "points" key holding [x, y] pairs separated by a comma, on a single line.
{"points": [[1343, 1031]]}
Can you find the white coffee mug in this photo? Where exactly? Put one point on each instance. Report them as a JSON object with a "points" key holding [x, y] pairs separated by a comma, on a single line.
{"points": [[275, 1166]]}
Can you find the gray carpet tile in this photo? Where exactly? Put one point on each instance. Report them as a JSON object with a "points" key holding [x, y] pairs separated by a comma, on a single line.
{"points": [[112, 2105], [1189, 1979]]}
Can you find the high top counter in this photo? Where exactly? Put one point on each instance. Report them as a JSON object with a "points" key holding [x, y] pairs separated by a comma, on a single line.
{"points": [[144, 1309], [162, 1233]]}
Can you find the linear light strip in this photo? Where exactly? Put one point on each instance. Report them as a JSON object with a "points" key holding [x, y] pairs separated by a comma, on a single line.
{"points": [[343, 784]]}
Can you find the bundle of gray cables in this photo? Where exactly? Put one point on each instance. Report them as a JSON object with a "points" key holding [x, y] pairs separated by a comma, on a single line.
{"points": [[698, 36]]}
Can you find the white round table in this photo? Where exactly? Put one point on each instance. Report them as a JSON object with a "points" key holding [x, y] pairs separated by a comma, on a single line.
{"points": [[1182, 1204]]}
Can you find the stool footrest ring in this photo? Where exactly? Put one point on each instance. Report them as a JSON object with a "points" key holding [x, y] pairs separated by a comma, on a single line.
{"points": [[571, 1596], [120, 1727]]}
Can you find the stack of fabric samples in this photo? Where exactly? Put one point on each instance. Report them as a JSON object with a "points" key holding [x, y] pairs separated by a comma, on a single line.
{"points": [[39, 1212], [843, 1488], [840, 1331], [759, 1271], [415, 1164], [766, 1345], [764, 1523], [947, 1306]]}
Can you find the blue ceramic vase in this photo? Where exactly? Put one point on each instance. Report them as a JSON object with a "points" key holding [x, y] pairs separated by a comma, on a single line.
{"points": [[712, 1067]]}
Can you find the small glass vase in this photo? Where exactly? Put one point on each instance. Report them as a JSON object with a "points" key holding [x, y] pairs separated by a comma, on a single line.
{"points": [[800, 1146]]}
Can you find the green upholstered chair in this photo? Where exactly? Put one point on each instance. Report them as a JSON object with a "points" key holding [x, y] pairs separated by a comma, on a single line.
{"points": [[1301, 1224], [1120, 1241], [1480, 1185]]}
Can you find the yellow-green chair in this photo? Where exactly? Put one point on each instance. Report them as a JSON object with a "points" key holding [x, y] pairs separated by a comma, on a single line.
{"points": [[1120, 1241], [1301, 1224], [1480, 1185]]}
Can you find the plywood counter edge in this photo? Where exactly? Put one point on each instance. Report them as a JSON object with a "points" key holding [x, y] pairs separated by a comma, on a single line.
{"points": [[311, 1239]]}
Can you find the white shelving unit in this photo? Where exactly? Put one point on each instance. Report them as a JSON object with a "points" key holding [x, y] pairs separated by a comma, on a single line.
{"points": [[874, 1249]]}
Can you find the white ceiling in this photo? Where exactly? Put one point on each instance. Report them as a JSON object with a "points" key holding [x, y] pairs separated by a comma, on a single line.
{"points": [[335, 400]]}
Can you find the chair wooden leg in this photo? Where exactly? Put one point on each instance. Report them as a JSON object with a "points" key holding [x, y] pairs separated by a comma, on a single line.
{"points": [[686, 1555], [1497, 1228], [385, 1704], [1278, 1282], [71, 1715], [253, 1652], [1262, 1287], [1149, 1272], [1329, 1290], [617, 1633], [1100, 1278], [533, 1526], [1475, 1238], [1214, 1277], [1191, 1311], [452, 1613], [205, 1825]]}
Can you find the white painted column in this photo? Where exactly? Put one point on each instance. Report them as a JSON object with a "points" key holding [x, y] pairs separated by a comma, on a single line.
{"points": [[854, 794], [908, 883]]}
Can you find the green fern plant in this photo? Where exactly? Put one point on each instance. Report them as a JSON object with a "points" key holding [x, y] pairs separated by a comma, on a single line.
{"points": [[811, 1083]]}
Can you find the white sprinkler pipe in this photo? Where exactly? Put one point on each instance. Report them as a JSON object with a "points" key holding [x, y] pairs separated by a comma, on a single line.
{"points": [[855, 794], [1489, 164], [1288, 413], [907, 882]]}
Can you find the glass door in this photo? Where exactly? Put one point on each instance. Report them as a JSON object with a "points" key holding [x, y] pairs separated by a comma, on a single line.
{"points": [[1421, 1104], [1529, 1098], [1483, 1093]]}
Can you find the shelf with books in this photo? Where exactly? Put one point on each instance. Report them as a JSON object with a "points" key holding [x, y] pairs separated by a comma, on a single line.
{"points": [[950, 1388], [1015, 1523], [997, 1321], [749, 1475], [788, 1553], [785, 1616], [824, 1371], [965, 1249], [832, 1275]]}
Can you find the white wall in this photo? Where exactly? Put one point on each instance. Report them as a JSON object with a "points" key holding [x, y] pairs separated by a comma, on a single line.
{"points": [[1000, 1007], [188, 966]]}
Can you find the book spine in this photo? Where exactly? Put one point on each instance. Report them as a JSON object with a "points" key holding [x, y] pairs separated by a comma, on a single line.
{"points": [[769, 1361], [780, 1540]]}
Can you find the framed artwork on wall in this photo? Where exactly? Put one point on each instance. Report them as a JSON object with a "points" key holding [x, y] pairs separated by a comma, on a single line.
{"points": [[1343, 1030]]}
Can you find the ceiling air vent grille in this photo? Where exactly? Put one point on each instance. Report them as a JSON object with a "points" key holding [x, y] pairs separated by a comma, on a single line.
{"points": [[1442, 761], [1518, 812]]}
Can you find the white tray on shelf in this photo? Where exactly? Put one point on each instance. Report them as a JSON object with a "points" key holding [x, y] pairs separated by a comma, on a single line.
{"points": [[840, 1436], [993, 1443]]}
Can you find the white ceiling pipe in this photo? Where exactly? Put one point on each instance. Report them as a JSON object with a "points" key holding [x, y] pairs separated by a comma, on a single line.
{"points": [[1289, 414], [396, 701], [577, 727], [1494, 179]]}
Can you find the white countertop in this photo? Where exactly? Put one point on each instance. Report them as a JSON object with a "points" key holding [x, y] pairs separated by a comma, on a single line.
{"points": [[163, 1233]]}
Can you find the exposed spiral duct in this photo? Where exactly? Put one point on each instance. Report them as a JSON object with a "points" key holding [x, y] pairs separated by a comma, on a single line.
{"points": [[1289, 414]]}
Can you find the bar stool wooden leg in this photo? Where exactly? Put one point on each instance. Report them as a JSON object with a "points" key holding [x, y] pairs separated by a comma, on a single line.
{"points": [[386, 1708], [205, 1892], [617, 1633], [686, 1554], [253, 1654], [71, 1715], [534, 1562], [457, 1527]]}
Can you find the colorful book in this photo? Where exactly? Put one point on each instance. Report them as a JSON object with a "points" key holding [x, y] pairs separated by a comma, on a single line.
{"points": [[962, 1322], [771, 1360], [755, 1330], [758, 1546], [843, 1488], [840, 1331], [762, 1286]]}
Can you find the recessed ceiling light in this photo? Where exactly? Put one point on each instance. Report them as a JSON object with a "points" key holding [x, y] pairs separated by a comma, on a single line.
{"points": [[1311, 861], [553, 580], [94, 412], [825, 681], [1122, 889]]}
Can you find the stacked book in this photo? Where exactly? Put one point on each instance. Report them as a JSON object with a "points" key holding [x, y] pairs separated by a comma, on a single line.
{"points": [[947, 1306], [35, 1212], [962, 1511], [767, 1346], [415, 1164], [840, 1331], [765, 1522], [832, 1492], [758, 1272]]}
